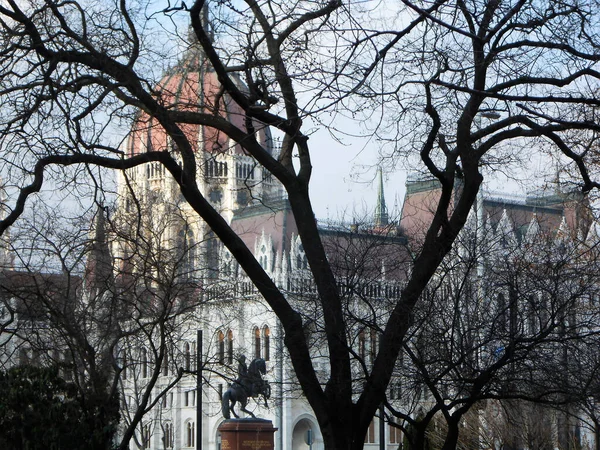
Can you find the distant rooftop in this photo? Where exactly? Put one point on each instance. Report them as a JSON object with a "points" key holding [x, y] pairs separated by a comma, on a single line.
{"points": [[540, 197]]}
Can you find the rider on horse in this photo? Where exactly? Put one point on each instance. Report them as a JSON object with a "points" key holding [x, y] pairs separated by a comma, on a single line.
{"points": [[250, 383]]}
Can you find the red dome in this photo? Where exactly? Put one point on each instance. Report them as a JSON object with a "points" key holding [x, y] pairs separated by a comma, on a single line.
{"points": [[192, 86]]}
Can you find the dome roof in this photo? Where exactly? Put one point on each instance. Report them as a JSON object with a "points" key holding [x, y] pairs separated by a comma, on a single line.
{"points": [[192, 85]]}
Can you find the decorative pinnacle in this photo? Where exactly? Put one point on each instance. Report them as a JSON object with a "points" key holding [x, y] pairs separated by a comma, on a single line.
{"points": [[381, 214]]}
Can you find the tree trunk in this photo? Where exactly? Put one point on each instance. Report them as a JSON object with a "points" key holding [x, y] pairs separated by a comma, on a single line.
{"points": [[451, 435]]}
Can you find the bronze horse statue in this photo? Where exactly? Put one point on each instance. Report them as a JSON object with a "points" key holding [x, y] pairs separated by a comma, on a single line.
{"points": [[248, 385]]}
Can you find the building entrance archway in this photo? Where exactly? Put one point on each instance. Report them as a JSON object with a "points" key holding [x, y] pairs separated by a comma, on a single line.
{"points": [[306, 436]]}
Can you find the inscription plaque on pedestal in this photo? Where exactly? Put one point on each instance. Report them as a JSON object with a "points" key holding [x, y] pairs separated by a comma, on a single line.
{"points": [[247, 434]]}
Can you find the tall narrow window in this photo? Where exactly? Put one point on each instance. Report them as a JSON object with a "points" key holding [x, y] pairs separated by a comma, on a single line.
{"points": [[165, 364], [124, 370], [187, 356], [168, 437], [190, 435], [256, 342], [221, 347], [266, 343], [361, 345], [370, 436], [193, 356], [373, 346], [144, 357], [395, 432], [230, 347], [146, 436]]}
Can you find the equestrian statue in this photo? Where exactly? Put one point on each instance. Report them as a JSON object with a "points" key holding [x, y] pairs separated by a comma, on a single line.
{"points": [[250, 383]]}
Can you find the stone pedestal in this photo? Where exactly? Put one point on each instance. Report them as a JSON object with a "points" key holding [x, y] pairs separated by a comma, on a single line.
{"points": [[247, 434]]}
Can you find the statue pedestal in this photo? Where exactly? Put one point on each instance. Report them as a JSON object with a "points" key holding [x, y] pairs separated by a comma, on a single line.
{"points": [[247, 434]]}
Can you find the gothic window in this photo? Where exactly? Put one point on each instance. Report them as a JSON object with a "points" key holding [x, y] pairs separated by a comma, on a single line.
{"points": [[193, 356], [263, 258], [187, 356], [189, 248], [215, 195], [373, 346], [395, 432], [361, 345], [209, 169], [146, 436], [212, 254], [144, 358], [256, 342], [165, 364], [301, 261], [267, 176], [230, 347], [266, 334], [221, 347], [189, 398], [242, 197], [370, 436], [125, 362], [168, 437], [190, 434]]}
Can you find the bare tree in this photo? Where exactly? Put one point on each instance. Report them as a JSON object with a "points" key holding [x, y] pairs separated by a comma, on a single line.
{"points": [[116, 319], [502, 342], [64, 65]]}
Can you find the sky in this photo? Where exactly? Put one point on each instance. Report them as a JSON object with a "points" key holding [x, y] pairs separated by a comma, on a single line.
{"points": [[344, 182]]}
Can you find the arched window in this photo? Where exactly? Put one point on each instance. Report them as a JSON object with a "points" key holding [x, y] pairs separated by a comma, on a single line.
{"points": [[256, 342], [266, 334], [395, 431], [144, 358], [221, 347], [230, 347], [193, 356], [361, 345], [187, 356], [190, 434], [370, 436], [373, 346], [189, 256], [212, 254], [146, 436], [168, 435]]}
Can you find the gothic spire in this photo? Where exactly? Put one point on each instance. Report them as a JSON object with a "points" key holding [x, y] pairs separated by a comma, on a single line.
{"points": [[381, 215], [99, 263]]}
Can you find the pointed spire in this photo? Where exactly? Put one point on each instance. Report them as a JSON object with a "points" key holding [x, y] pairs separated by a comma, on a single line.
{"points": [[99, 263], [533, 229], [381, 215]]}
